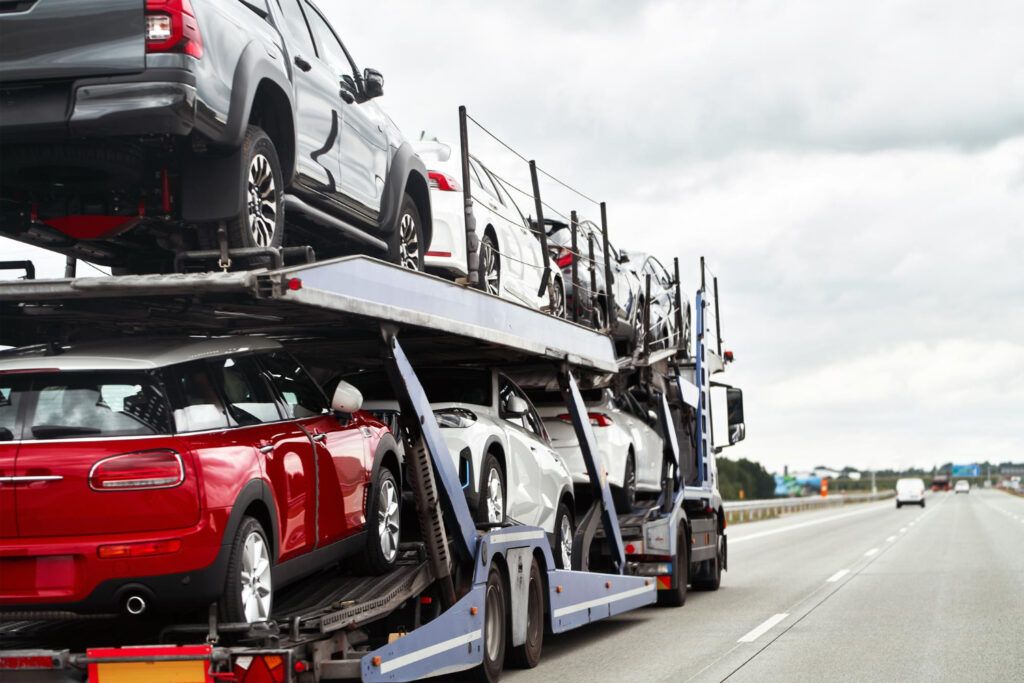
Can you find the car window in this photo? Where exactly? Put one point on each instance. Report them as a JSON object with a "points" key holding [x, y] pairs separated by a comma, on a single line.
{"points": [[451, 385], [302, 396], [195, 402], [249, 398], [329, 47], [10, 401], [297, 27], [86, 404], [505, 197], [482, 180]]}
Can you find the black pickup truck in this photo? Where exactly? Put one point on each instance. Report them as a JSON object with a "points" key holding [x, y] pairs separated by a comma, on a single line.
{"points": [[133, 129]]}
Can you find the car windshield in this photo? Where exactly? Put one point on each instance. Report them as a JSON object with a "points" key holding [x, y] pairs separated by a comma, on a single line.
{"points": [[442, 386], [82, 404]]}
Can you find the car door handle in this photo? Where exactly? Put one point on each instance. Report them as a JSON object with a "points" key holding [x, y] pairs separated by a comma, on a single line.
{"points": [[320, 437], [267, 448], [302, 63]]}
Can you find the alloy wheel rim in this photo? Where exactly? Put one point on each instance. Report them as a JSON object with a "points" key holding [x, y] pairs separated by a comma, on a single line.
{"points": [[557, 299], [630, 485], [490, 267], [257, 591], [495, 498], [261, 204], [599, 316], [565, 530], [408, 243], [388, 520]]}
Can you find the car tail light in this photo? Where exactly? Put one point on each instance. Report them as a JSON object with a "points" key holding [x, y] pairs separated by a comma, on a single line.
{"points": [[171, 26], [443, 182], [596, 419], [122, 550], [160, 469]]}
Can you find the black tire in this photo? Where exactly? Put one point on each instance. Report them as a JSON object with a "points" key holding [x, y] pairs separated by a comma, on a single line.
{"points": [[676, 597], [556, 298], [600, 317], [625, 496], [383, 524], [527, 655], [495, 628], [710, 576], [922, 503], [898, 505], [260, 220], [562, 550], [484, 507], [490, 265], [232, 603], [406, 246]]}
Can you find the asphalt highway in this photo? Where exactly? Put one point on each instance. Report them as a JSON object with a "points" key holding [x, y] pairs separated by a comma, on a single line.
{"points": [[860, 593]]}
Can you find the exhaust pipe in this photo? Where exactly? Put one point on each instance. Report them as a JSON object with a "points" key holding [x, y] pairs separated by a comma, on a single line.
{"points": [[135, 605]]}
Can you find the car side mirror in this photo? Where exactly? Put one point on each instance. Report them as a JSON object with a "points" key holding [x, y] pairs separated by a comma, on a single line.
{"points": [[623, 257], [516, 407], [347, 399], [652, 417], [373, 83]]}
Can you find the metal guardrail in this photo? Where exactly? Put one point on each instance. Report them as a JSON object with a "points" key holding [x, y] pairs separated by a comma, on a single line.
{"points": [[747, 510]]}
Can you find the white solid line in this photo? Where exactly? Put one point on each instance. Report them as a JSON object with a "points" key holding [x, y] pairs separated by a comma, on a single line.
{"points": [[417, 655], [511, 537], [632, 593], [762, 629], [903, 530], [871, 552], [838, 575], [801, 525], [890, 539]]}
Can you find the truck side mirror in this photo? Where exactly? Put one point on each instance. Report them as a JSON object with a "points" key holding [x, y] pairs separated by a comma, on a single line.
{"points": [[737, 427], [373, 83]]}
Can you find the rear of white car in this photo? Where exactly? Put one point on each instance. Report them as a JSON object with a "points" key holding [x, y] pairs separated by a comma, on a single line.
{"points": [[910, 492], [447, 249], [962, 486]]}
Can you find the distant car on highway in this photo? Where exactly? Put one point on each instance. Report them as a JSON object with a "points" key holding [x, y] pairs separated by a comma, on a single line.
{"points": [[962, 486], [910, 492]]}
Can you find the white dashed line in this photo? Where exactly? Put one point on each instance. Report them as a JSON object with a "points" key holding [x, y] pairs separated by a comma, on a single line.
{"points": [[890, 539], [873, 551], [903, 530], [838, 575], [762, 629]]}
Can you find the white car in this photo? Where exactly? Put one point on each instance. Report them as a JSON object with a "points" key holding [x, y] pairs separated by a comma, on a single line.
{"points": [[962, 486], [501, 449], [511, 258], [910, 492], [630, 449]]}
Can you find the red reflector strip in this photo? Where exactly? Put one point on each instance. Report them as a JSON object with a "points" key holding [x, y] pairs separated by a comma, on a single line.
{"points": [[119, 550], [440, 254], [27, 662], [664, 583]]}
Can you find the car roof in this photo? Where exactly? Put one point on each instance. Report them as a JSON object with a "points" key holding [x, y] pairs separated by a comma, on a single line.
{"points": [[130, 353]]}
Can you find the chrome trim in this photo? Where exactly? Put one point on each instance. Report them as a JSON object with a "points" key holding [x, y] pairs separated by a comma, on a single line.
{"points": [[18, 480], [177, 456]]}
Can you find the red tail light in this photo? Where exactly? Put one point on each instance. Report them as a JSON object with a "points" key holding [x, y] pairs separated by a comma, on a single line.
{"points": [[122, 550], [564, 259], [596, 419], [443, 182], [171, 26], [133, 471]]}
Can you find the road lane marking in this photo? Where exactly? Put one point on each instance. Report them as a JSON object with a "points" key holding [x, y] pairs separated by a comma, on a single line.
{"points": [[890, 539], [802, 525], [763, 628], [838, 575], [871, 552], [903, 530]]}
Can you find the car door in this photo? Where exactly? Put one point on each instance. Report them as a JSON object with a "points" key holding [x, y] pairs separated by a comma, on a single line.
{"points": [[286, 452], [488, 206], [648, 444], [523, 496], [11, 391], [317, 104], [528, 245], [363, 145], [344, 463]]}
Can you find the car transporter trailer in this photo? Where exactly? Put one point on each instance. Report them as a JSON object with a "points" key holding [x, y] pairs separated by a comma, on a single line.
{"points": [[463, 593]]}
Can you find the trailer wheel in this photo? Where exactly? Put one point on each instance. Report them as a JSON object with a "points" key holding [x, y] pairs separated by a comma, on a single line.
{"points": [[527, 655], [676, 597], [495, 628], [710, 576]]}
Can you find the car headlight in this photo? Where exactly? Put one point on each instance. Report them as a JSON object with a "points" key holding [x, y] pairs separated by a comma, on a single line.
{"points": [[454, 418]]}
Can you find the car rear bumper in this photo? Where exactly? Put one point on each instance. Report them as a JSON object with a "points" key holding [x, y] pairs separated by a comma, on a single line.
{"points": [[67, 573], [154, 102], [447, 250]]}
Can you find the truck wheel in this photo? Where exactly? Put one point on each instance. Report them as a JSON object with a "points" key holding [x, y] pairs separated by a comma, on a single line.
{"points": [[527, 655], [248, 591], [676, 597], [495, 628], [491, 509], [260, 221], [383, 524], [625, 497], [563, 537], [710, 576], [406, 246]]}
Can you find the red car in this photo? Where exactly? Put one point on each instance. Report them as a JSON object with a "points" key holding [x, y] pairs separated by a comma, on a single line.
{"points": [[174, 473]]}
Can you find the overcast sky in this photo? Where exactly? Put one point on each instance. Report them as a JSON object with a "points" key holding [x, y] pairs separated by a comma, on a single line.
{"points": [[854, 173]]}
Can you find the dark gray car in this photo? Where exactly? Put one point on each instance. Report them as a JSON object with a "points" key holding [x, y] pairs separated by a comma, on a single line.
{"points": [[133, 129]]}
